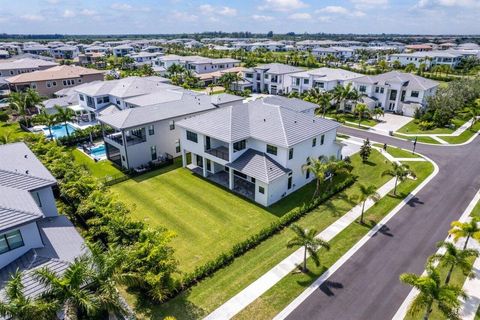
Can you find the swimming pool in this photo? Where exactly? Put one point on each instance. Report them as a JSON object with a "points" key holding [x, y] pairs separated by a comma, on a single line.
{"points": [[98, 151], [59, 130]]}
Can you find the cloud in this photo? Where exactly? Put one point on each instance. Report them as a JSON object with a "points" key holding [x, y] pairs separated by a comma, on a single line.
{"points": [[259, 17], [282, 5], [32, 17], [127, 7], [53, 1], [208, 9], [68, 13], [422, 4], [88, 12], [340, 11], [300, 16], [184, 16], [368, 4]]}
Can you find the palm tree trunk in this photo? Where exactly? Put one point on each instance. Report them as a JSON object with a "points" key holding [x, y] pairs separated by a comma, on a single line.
{"points": [[449, 275], [466, 242], [70, 311], [363, 209], [305, 259], [66, 129], [317, 189], [395, 189], [50, 132], [427, 313]]}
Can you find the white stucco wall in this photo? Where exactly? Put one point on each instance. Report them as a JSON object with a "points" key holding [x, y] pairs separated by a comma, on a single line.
{"points": [[31, 239]]}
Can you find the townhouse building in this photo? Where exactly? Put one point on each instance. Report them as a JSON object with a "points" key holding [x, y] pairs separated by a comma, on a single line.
{"points": [[341, 53], [430, 58], [322, 78], [257, 149], [122, 50], [198, 64], [65, 52], [270, 78]]}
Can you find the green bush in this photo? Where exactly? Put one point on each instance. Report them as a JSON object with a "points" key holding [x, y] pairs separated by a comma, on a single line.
{"points": [[3, 116], [426, 125]]}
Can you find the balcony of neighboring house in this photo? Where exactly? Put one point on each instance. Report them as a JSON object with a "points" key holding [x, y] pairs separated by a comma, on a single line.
{"points": [[115, 138], [217, 148], [274, 79], [135, 136]]}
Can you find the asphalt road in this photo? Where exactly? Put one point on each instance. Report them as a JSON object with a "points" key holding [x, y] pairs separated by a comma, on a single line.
{"points": [[367, 286]]}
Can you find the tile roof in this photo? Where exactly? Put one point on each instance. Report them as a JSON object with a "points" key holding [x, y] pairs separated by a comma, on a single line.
{"points": [[279, 68], [294, 104], [54, 73], [26, 63], [266, 122], [258, 165], [328, 74], [410, 81]]}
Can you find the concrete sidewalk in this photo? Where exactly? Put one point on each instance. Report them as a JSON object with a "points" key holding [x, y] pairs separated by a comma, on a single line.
{"points": [[269, 279]]}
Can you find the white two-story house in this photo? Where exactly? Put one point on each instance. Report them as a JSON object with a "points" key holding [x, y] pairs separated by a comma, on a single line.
{"points": [[257, 149], [198, 64], [32, 233], [122, 50], [325, 79], [146, 131], [396, 92], [272, 78]]}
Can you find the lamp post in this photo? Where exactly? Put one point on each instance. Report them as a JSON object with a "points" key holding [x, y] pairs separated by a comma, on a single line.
{"points": [[414, 145]]}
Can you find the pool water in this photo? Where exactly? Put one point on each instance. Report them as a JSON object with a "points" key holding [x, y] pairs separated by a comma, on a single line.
{"points": [[59, 131], [98, 151]]}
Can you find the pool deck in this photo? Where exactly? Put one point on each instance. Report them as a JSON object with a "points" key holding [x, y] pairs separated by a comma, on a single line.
{"points": [[92, 156]]}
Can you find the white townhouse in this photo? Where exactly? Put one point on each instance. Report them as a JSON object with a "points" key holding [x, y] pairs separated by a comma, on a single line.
{"points": [[272, 78], [96, 49], [65, 52], [198, 64], [144, 57], [103, 97], [257, 149], [430, 58], [341, 53], [395, 91], [37, 49], [146, 132], [32, 233], [322, 78], [122, 50]]}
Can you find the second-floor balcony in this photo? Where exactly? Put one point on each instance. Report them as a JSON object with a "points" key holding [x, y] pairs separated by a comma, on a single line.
{"points": [[131, 137], [219, 152]]}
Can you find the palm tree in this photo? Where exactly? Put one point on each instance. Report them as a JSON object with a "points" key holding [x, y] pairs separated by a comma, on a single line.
{"points": [[17, 102], [378, 112], [5, 138], [46, 119], [454, 257], [433, 292], [64, 115], [318, 167], [465, 230], [410, 67], [325, 101], [306, 238], [69, 290], [175, 69], [474, 112], [362, 110], [367, 192], [400, 172], [20, 307]]}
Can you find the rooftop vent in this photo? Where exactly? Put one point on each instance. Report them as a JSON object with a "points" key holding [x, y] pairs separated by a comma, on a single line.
{"points": [[26, 172], [26, 156]]}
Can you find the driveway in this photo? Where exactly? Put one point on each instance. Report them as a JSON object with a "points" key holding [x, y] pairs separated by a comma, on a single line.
{"points": [[367, 286], [391, 122]]}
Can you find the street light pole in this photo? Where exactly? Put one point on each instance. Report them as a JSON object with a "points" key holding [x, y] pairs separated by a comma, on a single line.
{"points": [[414, 145]]}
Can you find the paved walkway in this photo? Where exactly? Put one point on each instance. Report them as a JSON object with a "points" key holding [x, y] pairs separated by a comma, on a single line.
{"points": [[391, 122], [269, 279], [473, 287]]}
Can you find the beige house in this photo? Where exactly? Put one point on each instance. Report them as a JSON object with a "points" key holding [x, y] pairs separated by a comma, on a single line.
{"points": [[51, 80]]}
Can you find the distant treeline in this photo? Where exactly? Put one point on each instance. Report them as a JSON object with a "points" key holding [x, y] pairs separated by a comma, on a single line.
{"points": [[248, 35]]}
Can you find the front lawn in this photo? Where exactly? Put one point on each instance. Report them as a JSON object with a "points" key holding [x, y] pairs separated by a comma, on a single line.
{"points": [[12, 131], [464, 137], [279, 296], [224, 284], [422, 139], [400, 153], [413, 128], [352, 118], [100, 169]]}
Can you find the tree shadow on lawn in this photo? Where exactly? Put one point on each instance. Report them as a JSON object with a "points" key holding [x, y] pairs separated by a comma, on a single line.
{"points": [[157, 172], [179, 307]]}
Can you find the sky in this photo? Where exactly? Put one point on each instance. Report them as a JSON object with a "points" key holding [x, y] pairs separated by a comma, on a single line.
{"points": [[279, 16]]}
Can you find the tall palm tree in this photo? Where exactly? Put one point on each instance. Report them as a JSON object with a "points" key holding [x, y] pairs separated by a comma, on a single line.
{"points": [[46, 119], [306, 238], [465, 230], [17, 306], [400, 172], [362, 111], [337, 93], [367, 192], [324, 101], [433, 292], [69, 289], [175, 69], [318, 167], [377, 112], [64, 115], [17, 102], [32, 99], [454, 257]]}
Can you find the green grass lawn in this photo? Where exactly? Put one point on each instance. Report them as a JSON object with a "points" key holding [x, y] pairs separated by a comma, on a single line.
{"points": [[12, 130], [419, 139], [465, 136], [400, 153], [279, 296], [477, 315], [212, 292], [101, 169], [351, 118], [476, 211], [413, 128]]}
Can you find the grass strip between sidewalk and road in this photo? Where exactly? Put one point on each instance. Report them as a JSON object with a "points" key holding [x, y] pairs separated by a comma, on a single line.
{"points": [[285, 291], [464, 136]]}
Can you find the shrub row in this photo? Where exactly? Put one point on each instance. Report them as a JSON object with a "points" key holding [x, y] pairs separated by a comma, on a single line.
{"points": [[241, 248]]}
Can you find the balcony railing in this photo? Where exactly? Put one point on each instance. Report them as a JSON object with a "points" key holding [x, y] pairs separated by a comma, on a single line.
{"points": [[116, 137], [132, 139], [219, 152]]}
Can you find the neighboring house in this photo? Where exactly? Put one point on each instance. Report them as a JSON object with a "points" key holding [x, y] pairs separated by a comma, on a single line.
{"points": [[32, 233], [341, 53], [65, 52], [96, 49], [429, 58], [146, 132], [395, 91], [92, 58], [37, 49], [418, 47], [122, 50], [323, 78], [257, 149], [20, 66], [144, 57], [4, 54], [270, 78], [198, 64], [48, 81]]}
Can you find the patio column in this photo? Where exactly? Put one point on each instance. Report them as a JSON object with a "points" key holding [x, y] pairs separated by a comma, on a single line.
{"points": [[204, 161], [230, 179], [184, 158]]}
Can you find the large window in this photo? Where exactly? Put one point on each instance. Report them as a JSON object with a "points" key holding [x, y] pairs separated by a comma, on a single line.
{"points": [[414, 94], [362, 88], [322, 139], [289, 184], [314, 142], [151, 130], [153, 151], [239, 145], [192, 136], [261, 189], [271, 149], [290, 154], [177, 146], [10, 241], [172, 125]]}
